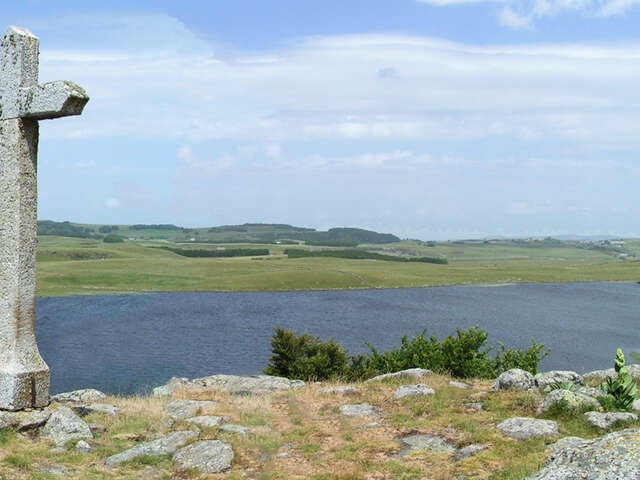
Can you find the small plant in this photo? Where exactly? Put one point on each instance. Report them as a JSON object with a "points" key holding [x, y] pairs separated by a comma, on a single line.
{"points": [[622, 390], [569, 386]]}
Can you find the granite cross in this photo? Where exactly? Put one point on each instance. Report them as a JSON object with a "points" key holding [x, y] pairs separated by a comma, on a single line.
{"points": [[24, 376]]}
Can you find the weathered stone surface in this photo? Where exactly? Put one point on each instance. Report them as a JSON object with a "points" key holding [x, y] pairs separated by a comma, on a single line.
{"points": [[97, 428], [636, 406], [359, 410], [516, 379], [573, 442], [431, 443], [24, 376], [207, 421], [25, 420], [84, 395], [83, 447], [605, 420], [477, 406], [181, 409], [63, 426], [613, 457], [232, 428], [546, 380], [207, 457], [469, 451], [570, 400], [259, 384], [462, 385], [523, 427], [601, 375], [413, 391], [590, 391], [84, 410], [162, 446], [409, 373], [340, 390]]}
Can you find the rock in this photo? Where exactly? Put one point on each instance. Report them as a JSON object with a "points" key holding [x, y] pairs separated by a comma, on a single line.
{"points": [[207, 457], [636, 406], [340, 390], [84, 395], [477, 406], [573, 442], [590, 391], [181, 409], [162, 446], [255, 385], [232, 428], [359, 410], [97, 428], [208, 421], [25, 420], [523, 427], [413, 391], [55, 470], [63, 426], [482, 394], [605, 420], [613, 457], [84, 410], [546, 380], [468, 451], [372, 425], [516, 379], [570, 400], [601, 375], [462, 385], [83, 447], [432, 443], [410, 373]]}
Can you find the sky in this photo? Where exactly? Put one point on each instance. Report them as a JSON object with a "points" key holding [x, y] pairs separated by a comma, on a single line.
{"points": [[429, 119]]}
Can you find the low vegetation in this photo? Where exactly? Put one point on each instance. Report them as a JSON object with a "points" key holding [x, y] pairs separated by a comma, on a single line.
{"points": [[464, 355], [227, 252], [354, 254]]}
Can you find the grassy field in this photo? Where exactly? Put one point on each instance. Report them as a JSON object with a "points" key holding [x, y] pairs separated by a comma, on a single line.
{"points": [[300, 434], [78, 266]]}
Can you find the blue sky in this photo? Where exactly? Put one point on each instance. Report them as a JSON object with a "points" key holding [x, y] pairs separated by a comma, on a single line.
{"points": [[429, 119]]}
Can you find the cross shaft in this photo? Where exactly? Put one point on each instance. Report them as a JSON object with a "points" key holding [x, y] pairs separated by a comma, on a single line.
{"points": [[24, 376]]}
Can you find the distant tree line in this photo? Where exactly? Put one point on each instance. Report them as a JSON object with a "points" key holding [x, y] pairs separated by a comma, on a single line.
{"points": [[65, 229], [108, 228], [231, 252], [155, 227], [360, 254]]}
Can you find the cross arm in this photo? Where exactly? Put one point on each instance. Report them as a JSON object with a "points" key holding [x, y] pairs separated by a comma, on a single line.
{"points": [[50, 100]]}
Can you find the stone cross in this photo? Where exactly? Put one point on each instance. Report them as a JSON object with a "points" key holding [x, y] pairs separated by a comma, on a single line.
{"points": [[24, 376]]}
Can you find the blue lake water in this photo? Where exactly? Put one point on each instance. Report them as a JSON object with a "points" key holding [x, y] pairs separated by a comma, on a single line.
{"points": [[126, 343]]}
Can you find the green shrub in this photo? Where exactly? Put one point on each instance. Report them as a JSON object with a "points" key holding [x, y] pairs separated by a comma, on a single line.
{"points": [[623, 389], [111, 238], [305, 357]]}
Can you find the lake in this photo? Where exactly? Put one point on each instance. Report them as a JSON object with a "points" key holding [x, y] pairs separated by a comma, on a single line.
{"points": [[128, 343]]}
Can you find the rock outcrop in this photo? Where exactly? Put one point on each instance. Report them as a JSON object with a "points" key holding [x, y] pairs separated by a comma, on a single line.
{"points": [[516, 379], [613, 457], [256, 385], [523, 427]]}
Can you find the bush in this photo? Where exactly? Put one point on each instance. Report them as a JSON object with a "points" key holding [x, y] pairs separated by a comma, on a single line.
{"points": [[111, 238], [305, 357]]}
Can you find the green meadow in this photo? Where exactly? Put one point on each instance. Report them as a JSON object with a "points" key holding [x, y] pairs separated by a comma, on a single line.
{"points": [[84, 266]]}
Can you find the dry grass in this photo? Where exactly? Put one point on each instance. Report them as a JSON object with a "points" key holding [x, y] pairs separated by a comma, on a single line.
{"points": [[300, 435]]}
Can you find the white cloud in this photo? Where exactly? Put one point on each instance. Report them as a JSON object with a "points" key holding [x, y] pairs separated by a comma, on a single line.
{"points": [[330, 89], [112, 202], [184, 153], [511, 19]]}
